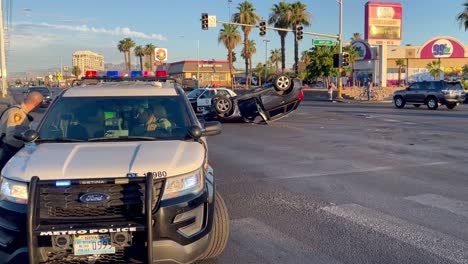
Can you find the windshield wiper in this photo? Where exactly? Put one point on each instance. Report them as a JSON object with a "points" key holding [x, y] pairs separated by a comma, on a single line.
{"points": [[123, 138], [61, 140]]}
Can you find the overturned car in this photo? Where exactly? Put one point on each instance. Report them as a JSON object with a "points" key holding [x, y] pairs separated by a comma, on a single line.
{"points": [[274, 100]]}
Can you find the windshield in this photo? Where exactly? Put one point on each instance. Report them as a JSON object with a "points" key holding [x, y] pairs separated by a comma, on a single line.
{"points": [[454, 86], [87, 118], [195, 93], [42, 90]]}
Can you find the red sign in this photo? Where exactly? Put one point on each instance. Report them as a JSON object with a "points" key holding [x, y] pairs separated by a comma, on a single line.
{"points": [[442, 47], [383, 23]]}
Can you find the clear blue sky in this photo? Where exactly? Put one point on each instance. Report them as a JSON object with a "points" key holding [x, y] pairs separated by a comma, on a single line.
{"points": [[44, 31]]}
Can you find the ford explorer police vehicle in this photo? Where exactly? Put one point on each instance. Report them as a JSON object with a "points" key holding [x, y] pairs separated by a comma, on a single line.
{"points": [[115, 172]]}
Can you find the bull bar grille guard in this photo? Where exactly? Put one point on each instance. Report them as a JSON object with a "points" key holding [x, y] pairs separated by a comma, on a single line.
{"points": [[34, 220]]}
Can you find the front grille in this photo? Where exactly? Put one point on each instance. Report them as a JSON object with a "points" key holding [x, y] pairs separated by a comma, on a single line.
{"points": [[57, 258], [126, 201]]}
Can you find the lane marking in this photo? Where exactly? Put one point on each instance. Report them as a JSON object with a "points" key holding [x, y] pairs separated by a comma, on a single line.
{"points": [[440, 244], [433, 200]]}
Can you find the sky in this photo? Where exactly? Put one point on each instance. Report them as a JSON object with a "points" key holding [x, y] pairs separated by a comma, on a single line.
{"points": [[44, 34]]}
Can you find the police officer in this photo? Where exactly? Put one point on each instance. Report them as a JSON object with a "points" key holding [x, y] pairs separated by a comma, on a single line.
{"points": [[11, 118]]}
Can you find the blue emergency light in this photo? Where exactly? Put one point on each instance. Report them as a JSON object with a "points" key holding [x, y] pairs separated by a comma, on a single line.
{"points": [[62, 183], [136, 74], [112, 74]]}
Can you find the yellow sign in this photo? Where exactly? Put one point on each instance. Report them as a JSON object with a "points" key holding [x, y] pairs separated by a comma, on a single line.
{"points": [[59, 76], [160, 54]]}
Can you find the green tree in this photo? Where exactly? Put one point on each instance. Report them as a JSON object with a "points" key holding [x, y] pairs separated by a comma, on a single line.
{"points": [[139, 52], [434, 69], [321, 64], [260, 71], [353, 55], [299, 15], [280, 18], [149, 51], [233, 54], [465, 69], [463, 16], [251, 50], [356, 36], [305, 57], [275, 58], [400, 63], [121, 48], [248, 16], [230, 37], [126, 45], [76, 71], [148, 66]]}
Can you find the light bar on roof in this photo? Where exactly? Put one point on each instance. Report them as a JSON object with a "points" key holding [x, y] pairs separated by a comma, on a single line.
{"points": [[136, 74]]}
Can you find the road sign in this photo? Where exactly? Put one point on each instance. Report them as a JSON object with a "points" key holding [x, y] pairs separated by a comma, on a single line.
{"points": [[59, 76], [211, 21], [65, 68], [324, 42]]}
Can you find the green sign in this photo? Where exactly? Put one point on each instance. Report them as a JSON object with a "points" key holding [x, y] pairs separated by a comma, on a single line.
{"points": [[324, 42]]}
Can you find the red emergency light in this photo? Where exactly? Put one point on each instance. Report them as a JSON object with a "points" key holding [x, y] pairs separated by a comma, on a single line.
{"points": [[91, 74], [161, 73]]}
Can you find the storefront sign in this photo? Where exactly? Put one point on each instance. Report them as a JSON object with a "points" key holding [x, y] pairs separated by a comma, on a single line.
{"points": [[363, 49], [442, 47], [211, 65], [383, 23], [160, 54]]}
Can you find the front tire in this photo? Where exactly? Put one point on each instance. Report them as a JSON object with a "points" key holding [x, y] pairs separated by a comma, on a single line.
{"points": [[432, 103], [282, 83], [220, 230], [222, 104], [399, 102]]}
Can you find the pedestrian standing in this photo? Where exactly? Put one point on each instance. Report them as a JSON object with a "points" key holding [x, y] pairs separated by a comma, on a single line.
{"points": [[331, 87], [11, 118], [369, 90]]}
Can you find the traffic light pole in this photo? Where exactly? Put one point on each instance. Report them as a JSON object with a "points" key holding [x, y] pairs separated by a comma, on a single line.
{"points": [[340, 39]]}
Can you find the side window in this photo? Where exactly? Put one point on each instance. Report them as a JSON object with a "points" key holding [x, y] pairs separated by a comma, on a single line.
{"points": [[415, 86], [207, 94], [223, 93], [437, 86]]}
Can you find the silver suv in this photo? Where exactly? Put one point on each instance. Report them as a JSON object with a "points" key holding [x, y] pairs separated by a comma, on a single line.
{"points": [[114, 173]]}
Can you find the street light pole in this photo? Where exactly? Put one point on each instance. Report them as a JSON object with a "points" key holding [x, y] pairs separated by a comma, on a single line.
{"points": [[266, 58], [198, 63], [229, 7], [340, 70], [2, 54]]}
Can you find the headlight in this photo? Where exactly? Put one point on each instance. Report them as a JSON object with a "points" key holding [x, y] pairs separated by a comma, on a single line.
{"points": [[182, 185], [13, 191]]}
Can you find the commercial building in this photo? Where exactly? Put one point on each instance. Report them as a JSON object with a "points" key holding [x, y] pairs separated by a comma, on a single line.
{"points": [[208, 71], [88, 61], [450, 52]]}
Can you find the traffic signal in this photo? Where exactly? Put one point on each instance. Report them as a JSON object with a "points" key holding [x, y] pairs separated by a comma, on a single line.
{"points": [[299, 32], [204, 21], [345, 60], [336, 60], [262, 27]]}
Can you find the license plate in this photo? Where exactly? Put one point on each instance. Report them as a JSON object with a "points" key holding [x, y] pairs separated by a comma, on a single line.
{"points": [[200, 109], [93, 244]]}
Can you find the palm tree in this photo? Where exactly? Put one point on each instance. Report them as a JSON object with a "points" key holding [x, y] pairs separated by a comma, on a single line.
{"points": [[247, 16], [280, 18], [356, 36], [149, 51], [305, 57], [76, 71], [121, 48], [230, 37], [260, 69], [463, 16], [251, 50], [434, 68], [299, 15], [275, 58], [400, 63], [353, 55], [139, 52], [127, 45]]}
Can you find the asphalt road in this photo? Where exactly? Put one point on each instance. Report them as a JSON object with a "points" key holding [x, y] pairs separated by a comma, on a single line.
{"points": [[346, 183]]}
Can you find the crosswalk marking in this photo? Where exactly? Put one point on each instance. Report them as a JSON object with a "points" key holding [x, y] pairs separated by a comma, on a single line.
{"points": [[441, 202], [252, 241], [440, 244]]}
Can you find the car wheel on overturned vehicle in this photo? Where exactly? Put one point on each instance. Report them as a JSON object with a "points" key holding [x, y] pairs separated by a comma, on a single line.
{"points": [[220, 229], [222, 104], [282, 83]]}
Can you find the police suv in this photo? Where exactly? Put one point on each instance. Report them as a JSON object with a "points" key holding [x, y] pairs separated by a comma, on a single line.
{"points": [[115, 172]]}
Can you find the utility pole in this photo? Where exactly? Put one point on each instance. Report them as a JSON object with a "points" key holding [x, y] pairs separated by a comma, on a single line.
{"points": [[266, 58], [2, 54], [198, 63], [340, 39], [229, 7]]}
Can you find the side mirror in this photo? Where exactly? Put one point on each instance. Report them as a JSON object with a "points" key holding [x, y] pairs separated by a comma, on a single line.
{"points": [[212, 128], [196, 132], [25, 134]]}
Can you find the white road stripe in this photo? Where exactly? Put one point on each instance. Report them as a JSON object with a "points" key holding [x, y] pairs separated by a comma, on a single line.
{"points": [[252, 241], [440, 244], [454, 206]]}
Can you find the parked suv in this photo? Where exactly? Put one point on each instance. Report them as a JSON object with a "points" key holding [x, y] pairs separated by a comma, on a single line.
{"points": [[432, 94], [114, 173]]}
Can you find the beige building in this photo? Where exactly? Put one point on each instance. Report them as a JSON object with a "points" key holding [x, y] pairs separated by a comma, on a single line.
{"points": [[88, 61]]}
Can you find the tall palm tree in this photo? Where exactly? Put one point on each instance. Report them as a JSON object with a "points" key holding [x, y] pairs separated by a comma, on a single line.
{"points": [[299, 15], [139, 52], [76, 71], [400, 63], [276, 58], [121, 47], [260, 69], [434, 69], [280, 18], [251, 50], [149, 51], [356, 36], [463, 16], [353, 55], [127, 45], [230, 37], [246, 15]]}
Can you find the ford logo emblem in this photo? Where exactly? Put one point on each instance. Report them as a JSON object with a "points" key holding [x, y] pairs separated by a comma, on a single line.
{"points": [[94, 197]]}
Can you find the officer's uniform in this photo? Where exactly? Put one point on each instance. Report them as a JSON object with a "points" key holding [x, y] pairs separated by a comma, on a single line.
{"points": [[11, 118]]}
